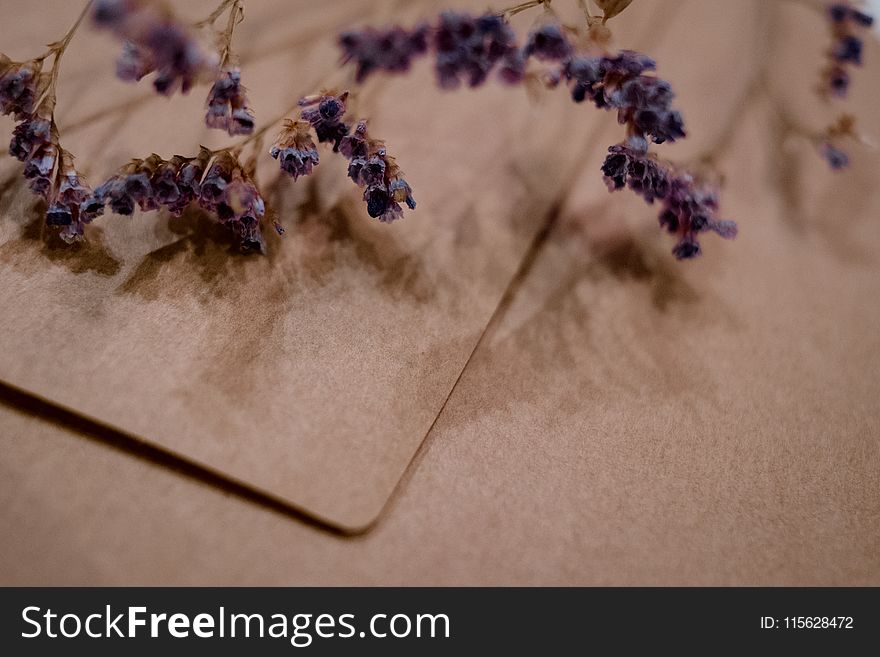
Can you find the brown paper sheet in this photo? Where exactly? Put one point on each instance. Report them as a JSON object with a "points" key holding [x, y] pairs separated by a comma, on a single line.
{"points": [[311, 374], [625, 420]]}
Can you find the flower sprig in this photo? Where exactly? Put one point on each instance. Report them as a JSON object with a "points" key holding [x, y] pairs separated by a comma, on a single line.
{"points": [[848, 21], [370, 166], [28, 93], [467, 50], [470, 49], [156, 41]]}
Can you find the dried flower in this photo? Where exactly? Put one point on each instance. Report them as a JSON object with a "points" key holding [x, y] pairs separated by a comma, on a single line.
{"points": [[837, 158], [21, 84], [228, 190], [295, 150], [391, 50], [51, 174], [228, 105], [469, 48], [153, 41], [217, 181], [324, 112], [643, 102], [371, 167], [830, 142], [847, 22], [548, 42], [688, 207]]}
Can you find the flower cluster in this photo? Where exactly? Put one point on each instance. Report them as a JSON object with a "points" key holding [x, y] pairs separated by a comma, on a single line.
{"points": [[153, 41], [26, 94], [688, 207], [830, 142], [643, 102], [466, 48], [228, 105], [847, 21], [21, 83], [548, 42], [469, 48], [390, 50], [217, 181], [370, 166], [324, 113], [295, 149]]}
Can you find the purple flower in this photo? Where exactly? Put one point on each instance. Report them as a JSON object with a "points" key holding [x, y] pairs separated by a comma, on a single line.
{"points": [[133, 64], [643, 102], [371, 167], [841, 12], [837, 159], [129, 187], [469, 48], [153, 41], [849, 50], [401, 192], [228, 105], [35, 142], [69, 208], [391, 50], [548, 43], [848, 47], [513, 67], [229, 192], [29, 135], [861, 18], [20, 86], [356, 144], [325, 113], [688, 208], [838, 12], [295, 150]]}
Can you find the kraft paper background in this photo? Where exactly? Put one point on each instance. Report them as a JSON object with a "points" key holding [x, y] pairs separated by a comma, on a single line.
{"points": [[625, 419]]}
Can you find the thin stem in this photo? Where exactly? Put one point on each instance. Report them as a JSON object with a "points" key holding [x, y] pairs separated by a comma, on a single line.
{"points": [[58, 49], [217, 13], [525, 6], [236, 16]]}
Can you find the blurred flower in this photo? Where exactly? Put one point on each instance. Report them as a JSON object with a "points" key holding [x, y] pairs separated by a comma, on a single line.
{"points": [[153, 40], [391, 50], [837, 158], [830, 141], [21, 84], [469, 48], [848, 22], [548, 42], [228, 105]]}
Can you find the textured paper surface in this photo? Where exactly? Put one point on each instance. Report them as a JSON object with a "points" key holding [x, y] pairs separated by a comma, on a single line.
{"points": [[625, 420], [314, 373]]}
